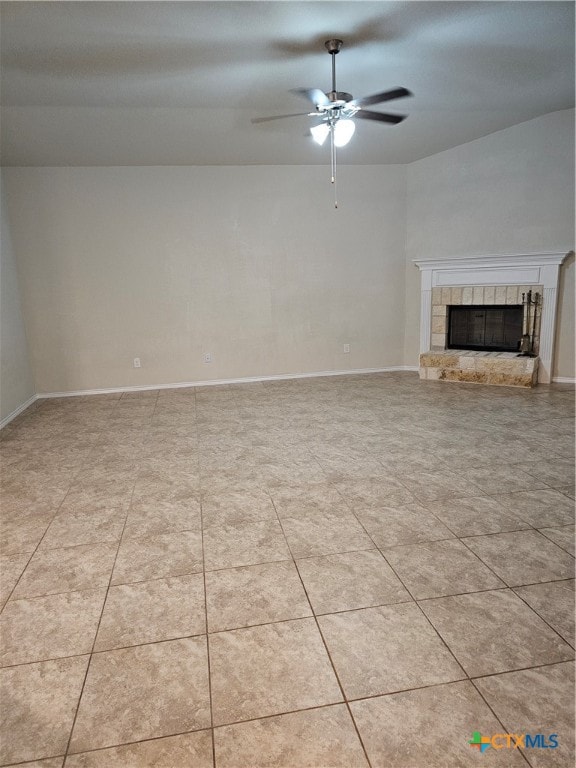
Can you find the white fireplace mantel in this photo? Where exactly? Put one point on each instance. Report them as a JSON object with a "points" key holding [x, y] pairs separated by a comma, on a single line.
{"points": [[505, 269]]}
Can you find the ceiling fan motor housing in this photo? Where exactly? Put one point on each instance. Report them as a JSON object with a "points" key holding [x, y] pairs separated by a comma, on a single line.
{"points": [[339, 96]]}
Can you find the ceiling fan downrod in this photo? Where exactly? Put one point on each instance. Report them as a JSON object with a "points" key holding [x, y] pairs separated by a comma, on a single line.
{"points": [[333, 47]]}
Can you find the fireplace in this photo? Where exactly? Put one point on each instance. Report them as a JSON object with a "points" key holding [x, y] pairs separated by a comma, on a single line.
{"points": [[492, 328], [489, 281]]}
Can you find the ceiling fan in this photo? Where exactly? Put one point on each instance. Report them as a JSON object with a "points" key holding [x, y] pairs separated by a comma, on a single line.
{"points": [[337, 108]]}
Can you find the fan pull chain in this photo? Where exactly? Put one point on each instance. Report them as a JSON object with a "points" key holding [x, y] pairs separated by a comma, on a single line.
{"points": [[333, 164], [332, 145]]}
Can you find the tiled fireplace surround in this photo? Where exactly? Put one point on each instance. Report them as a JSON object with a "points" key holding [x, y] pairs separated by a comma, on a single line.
{"points": [[487, 280]]}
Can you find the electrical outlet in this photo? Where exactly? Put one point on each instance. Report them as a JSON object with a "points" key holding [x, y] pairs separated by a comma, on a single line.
{"points": [[207, 357], [346, 348], [137, 363]]}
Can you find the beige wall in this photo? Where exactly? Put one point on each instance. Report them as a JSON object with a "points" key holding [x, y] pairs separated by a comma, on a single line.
{"points": [[16, 382], [251, 264], [510, 192], [254, 264]]}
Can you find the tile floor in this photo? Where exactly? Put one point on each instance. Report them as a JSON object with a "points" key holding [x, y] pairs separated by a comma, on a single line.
{"points": [[348, 571]]}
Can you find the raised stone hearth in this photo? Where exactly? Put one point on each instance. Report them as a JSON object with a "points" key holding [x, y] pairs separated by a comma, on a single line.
{"points": [[499, 368]]}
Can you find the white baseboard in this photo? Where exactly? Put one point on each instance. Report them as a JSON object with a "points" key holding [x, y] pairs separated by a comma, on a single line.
{"points": [[216, 382], [7, 419]]}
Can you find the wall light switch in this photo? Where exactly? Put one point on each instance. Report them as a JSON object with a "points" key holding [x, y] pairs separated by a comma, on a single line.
{"points": [[207, 357], [346, 348], [137, 363]]}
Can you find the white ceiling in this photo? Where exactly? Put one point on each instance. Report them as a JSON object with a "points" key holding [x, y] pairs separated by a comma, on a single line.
{"points": [[177, 83]]}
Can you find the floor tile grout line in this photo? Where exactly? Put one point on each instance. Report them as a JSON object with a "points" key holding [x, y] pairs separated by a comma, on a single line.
{"points": [[425, 616], [39, 759], [35, 550], [511, 588], [524, 669], [252, 626], [535, 530], [230, 724], [73, 546], [454, 536], [523, 490], [503, 588], [138, 741], [461, 666], [538, 583], [499, 719], [353, 700], [529, 527], [479, 559], [77, 709], [327, 650], [568, 525], [22, 574], [493, 533], [118, 584], [570, 643], [208, 665]]}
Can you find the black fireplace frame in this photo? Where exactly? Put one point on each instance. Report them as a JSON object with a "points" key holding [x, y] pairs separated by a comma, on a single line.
{"points": [[508, 311]]}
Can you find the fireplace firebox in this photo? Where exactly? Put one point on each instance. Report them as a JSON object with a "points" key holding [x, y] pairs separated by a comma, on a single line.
{"points": [[495, 328]]}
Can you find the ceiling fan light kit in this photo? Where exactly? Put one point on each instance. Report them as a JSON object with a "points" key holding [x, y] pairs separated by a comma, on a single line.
{"points": [[343, 131], [319, 133], [337, 110]]}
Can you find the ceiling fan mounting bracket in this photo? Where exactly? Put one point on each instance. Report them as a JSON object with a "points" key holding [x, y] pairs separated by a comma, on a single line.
{"points": [[333, 46]]}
